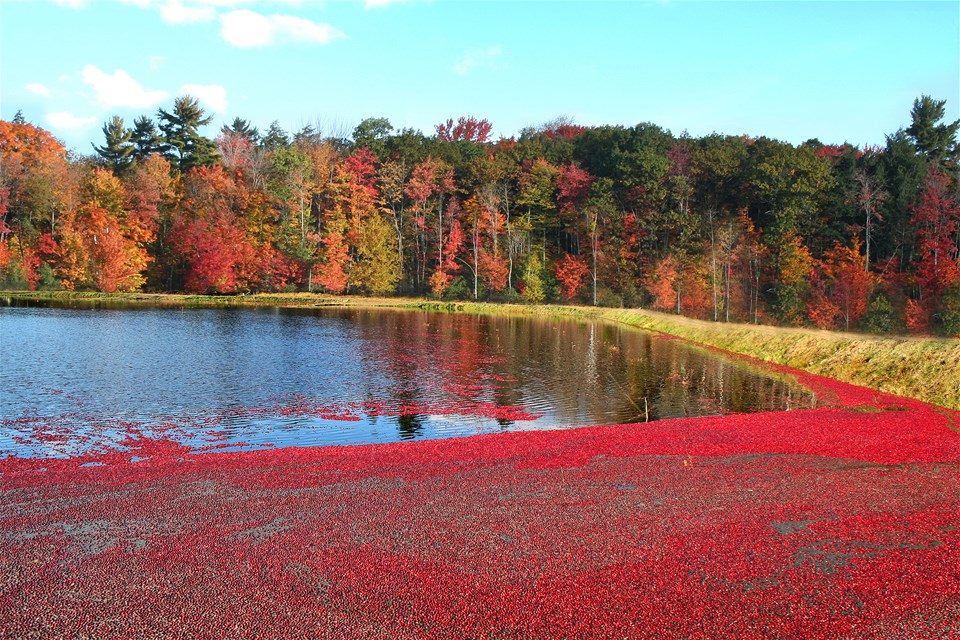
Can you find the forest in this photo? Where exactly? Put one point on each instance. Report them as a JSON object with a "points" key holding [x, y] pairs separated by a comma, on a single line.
{"points": [[728, 228]]}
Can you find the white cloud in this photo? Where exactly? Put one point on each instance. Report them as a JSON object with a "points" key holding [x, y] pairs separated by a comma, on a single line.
{"points": [[180, 11], [211, 96], [70, 4], [376, 4], [120, 90], [175, 12], [303, 30], [39, 89], [156, 62], [477, 58], [64, 120], [245, 28]]}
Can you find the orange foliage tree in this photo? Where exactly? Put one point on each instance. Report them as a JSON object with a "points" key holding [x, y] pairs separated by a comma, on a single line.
{"points": [[664, 284], [570, 271]]}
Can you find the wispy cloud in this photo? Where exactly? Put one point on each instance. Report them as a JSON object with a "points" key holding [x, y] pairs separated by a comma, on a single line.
{"points": [[478, 58], [39, 89], [67, 121], [377, 4], [70, 4], [176, 12], [197, 4], [242, 27], [212, 96], [245, 28], [120, 90], [143, 4]]}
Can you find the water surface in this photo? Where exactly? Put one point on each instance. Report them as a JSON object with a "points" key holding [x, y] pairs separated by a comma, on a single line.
{"points": [[72, 379]]}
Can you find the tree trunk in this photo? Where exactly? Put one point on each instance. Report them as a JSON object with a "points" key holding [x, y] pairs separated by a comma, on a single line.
{"points": [[866, 262], [476, 259], [726, 291], [440, 234], [593, 242], [303, 223]]}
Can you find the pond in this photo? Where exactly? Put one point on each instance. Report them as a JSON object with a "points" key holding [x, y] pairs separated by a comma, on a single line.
{"points": [[75, 379]]}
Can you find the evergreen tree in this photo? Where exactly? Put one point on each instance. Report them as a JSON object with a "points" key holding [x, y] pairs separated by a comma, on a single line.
{"points": [[118, 150], [242, 127], [276, 138], [938, 142], [181, 131], [308, 135], [146, 139]]}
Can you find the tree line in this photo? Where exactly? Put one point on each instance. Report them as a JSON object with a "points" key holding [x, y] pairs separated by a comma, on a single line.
{"points": [[729, 228]]}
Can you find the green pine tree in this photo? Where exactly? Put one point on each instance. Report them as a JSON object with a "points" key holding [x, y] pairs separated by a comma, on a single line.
{"points": [[243, 128], [181, 131], [146, 139], [119, 148], [936, 141], [276, 138]]}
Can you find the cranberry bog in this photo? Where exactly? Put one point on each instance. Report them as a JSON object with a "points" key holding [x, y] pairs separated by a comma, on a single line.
{"points": [[819, 523]]}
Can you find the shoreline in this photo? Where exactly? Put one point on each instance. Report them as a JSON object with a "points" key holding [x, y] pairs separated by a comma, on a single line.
{"points": [[919, 367]]}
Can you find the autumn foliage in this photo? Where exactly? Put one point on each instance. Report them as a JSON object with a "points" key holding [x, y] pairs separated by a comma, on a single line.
{"points": [[720, 227], [570, 272]]}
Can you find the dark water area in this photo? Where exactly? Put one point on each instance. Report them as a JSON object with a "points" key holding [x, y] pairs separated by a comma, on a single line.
{"points": [[75, 379]]}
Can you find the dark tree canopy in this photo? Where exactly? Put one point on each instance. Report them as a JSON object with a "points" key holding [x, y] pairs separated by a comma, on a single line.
{"points": [[275, 138], [146, 138], [119, 149], [372, 134], [242, 127], [187, 147], [934, 139]]}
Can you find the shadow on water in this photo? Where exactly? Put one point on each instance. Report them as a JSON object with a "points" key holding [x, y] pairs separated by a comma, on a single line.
{"points": [[410, 426]]}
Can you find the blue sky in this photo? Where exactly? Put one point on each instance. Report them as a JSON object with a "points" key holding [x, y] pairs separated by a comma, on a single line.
{"points": [[837, 71]]}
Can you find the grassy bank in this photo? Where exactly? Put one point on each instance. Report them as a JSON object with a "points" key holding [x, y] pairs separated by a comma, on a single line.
{"points": [[918, 367]]}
